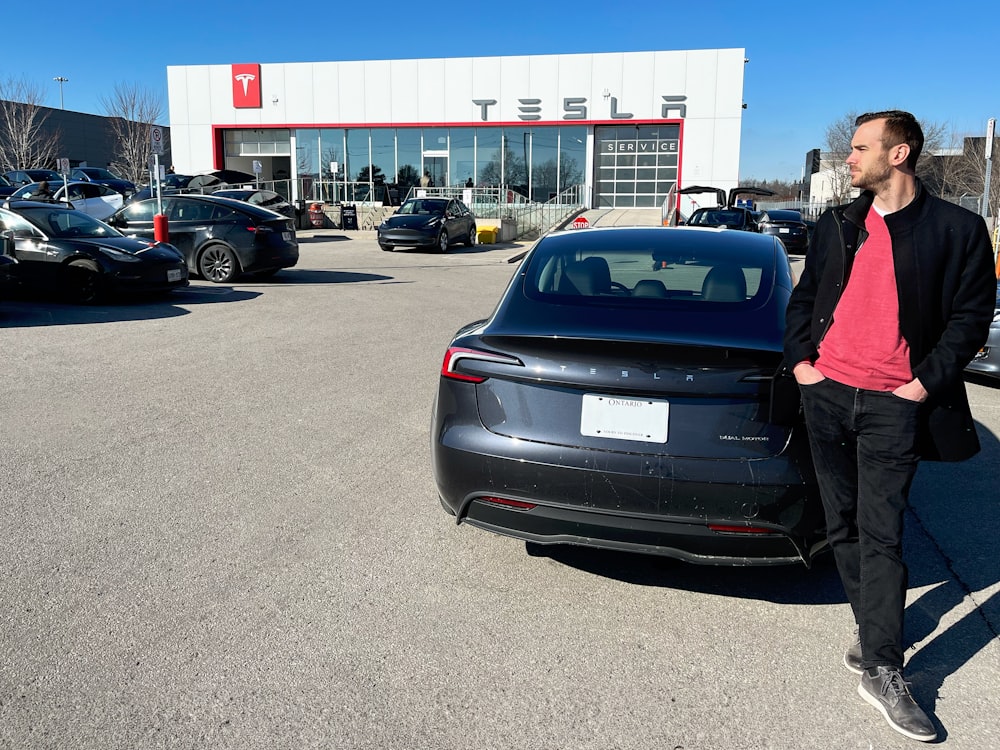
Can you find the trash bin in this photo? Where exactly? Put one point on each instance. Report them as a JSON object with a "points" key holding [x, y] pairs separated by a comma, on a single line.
{"points": [[316, 216], [349, 217]]}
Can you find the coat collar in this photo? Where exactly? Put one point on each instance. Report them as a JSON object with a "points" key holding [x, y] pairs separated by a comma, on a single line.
{"points": [[857, 211]]}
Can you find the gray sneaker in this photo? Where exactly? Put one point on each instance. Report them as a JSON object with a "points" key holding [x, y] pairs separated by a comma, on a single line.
{"points": [[852, 657], [891, 695]]}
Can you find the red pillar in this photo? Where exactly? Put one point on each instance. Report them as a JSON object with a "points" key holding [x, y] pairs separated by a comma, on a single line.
{"points": [[161, 232]]}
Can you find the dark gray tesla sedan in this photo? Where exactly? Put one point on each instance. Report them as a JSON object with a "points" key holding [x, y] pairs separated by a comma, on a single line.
{"points": [[628, 392]]}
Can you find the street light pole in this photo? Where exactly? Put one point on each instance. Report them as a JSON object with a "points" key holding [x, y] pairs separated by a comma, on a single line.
{"points": [[60, 80]]}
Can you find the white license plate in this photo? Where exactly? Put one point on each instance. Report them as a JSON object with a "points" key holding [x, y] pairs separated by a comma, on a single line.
{"points": [[286, 236], [783, 230], [620, 418], [174, 274]]}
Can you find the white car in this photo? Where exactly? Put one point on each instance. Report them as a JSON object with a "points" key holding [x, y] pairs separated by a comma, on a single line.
{"points": [[96, 200]]}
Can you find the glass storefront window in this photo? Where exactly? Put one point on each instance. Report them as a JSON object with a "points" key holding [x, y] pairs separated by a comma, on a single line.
{"points": [[489, 157], [516, 157], [572, 156], [408, 158], [358, 164], [462, 155], [258, 142], [544, 164], [383, 155]]}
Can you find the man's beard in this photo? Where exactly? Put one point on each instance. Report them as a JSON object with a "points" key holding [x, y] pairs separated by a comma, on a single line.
{"points": [[875, 177]]}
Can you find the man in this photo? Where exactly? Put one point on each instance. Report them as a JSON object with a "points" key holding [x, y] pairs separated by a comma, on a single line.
{"points": [[43, 192], [896, 297]]}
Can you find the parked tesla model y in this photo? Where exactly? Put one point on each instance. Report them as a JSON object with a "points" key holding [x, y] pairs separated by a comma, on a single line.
{"points": [[221, 238], [628, 392]]}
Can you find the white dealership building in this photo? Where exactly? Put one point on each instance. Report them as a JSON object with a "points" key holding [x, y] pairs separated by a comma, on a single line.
{"points": [[628, 125]]}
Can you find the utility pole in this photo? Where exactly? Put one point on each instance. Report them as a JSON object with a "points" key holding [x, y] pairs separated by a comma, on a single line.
{"points": [[60, 80], [990, 128]]}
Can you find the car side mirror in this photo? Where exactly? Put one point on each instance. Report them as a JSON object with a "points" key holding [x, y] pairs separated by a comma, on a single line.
{"points": [[116, 221]]}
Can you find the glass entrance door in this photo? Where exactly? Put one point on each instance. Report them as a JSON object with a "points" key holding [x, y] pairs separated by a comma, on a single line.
{"points": [[436, 163]]}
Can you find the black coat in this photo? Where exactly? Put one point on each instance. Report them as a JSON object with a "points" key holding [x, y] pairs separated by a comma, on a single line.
{"points": [[946, 283]]}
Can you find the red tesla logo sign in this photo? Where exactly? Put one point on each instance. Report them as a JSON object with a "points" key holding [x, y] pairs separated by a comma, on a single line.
{"points": [[246, 86]]}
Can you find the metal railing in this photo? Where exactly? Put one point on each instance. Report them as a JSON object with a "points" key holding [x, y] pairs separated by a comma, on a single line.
{"points": [[502, 203]]}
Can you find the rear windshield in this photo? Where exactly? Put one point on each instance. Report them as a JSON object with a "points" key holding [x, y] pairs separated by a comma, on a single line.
{"points": [[640, 271], [718, 218]]}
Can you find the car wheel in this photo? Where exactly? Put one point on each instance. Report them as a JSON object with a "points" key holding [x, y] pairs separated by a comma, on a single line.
{"points": [[218, 264], [84, 283], [471, 239], [442, 244]]}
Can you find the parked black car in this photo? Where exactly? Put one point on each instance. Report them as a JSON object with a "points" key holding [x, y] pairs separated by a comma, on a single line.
{"points": [[787, 226], [103, 177], [19, 177], [263, 198], [219, 237], [60, 249], [7, 261], [6, 188], [436, 223], [628, 393], [727, 213], [173, 184]]}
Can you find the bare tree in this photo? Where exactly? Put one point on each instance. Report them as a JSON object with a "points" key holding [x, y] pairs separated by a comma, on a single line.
{"points": [[24, 141], [960, 174], [132, 112]]}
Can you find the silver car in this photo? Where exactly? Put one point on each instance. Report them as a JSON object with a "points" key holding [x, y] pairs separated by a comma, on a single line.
{"points": [[987, 361]]}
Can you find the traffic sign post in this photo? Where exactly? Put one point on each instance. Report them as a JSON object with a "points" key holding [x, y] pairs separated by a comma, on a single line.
{"points": [[160, 231], [63, 165]]}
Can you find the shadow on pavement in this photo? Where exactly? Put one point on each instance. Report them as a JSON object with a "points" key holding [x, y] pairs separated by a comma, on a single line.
{"points": [[959, 507], [23, 310], [293, 276], [954, 513]]}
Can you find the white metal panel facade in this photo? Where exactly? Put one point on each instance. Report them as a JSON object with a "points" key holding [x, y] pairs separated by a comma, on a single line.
{"points": [[702, 89]]}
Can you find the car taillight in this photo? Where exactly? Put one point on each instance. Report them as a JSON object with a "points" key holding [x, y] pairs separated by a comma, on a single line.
{"points": [[456, 354], [731, 529], [259, 229], [516, 504]]}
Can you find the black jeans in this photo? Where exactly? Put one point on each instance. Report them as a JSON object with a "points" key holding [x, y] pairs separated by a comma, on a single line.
{"points": [[863, 449]]}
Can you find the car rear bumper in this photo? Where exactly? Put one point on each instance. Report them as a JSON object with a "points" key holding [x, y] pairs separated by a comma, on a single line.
{"points": [[676, 538], [268, 257], [591, 498]]}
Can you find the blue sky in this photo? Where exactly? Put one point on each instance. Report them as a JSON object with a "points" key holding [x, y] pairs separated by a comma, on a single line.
{"points": [[810, 63]]}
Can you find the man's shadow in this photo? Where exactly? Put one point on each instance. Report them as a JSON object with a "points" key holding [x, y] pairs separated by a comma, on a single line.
{"points": [[958, 506]]}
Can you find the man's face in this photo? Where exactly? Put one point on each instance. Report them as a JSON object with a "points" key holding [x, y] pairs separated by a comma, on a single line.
{"points": [[869, 159]]}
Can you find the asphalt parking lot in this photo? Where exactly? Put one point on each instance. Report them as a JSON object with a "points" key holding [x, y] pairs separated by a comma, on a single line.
{"points": [[221, 531]]}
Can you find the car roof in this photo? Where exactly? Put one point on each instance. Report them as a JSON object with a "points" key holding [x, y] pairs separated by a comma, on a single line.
{"points": [[238, 205], [19, 203]]}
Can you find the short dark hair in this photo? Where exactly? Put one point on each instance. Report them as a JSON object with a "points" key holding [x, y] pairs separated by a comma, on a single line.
{"points": [[900, 127]]}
